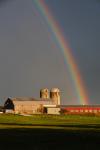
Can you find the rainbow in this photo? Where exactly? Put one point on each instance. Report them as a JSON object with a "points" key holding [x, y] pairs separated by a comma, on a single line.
{"points": [[79, 88]]}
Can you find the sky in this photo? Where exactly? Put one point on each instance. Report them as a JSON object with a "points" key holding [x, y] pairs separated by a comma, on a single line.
{"points": [[29, 59]]}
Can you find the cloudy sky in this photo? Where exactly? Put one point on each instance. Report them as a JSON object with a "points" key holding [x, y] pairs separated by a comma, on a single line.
{"points": [[28, 59]]}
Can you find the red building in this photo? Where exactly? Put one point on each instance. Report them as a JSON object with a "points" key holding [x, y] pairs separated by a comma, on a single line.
{"points": [[81, 109]]}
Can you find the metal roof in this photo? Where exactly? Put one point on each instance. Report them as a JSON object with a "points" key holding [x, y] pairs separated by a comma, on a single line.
{"points": [[79, 106], [28, 99]]}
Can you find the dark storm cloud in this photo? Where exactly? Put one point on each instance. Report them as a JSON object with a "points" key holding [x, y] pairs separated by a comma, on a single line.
{"points": [[29, 60], [80, 21], [4, 1]]}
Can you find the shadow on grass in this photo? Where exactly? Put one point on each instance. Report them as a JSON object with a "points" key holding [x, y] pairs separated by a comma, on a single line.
{"points": [[79, 126], [48, 139]]}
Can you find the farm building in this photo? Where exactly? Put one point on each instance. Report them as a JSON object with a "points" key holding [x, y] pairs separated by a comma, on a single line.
{"points": [[26, 105], [80, 109], [34, 106], [49, 103], [53, 110]]}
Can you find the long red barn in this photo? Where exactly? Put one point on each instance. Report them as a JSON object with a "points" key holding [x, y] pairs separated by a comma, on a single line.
{"points": [[81, 109]]}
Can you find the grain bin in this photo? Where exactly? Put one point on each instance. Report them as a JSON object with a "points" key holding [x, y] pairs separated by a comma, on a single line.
{"points": [[44, 93], [55, 95]]}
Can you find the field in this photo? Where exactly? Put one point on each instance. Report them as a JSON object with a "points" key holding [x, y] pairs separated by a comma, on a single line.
{"points": [[47, 132]]}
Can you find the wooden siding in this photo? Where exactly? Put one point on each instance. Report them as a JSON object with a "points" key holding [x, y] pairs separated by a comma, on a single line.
{"points": [[25, 106]]}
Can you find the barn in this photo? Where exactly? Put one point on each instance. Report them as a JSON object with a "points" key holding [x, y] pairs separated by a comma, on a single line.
{"points": [[27, 105], [80, 109], [48, 103]]}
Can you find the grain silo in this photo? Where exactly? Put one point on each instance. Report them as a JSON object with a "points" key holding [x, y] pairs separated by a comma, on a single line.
{"points": [[44, 93], [55, 95]]}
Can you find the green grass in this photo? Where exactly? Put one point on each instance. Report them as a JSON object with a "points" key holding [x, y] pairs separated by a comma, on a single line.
{"points": [[46, 132], [51, 121]]}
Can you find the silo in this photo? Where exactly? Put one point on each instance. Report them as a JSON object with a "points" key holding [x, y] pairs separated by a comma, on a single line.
{"points": [[55, 95], [44, 93]]}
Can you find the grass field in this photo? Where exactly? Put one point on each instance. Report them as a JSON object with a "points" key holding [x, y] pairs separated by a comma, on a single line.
{"points": [[48, 132]]}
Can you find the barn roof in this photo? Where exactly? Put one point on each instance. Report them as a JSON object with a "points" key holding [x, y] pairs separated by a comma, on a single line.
{"points": [[22, 99], [64, 106], [27, 99]]}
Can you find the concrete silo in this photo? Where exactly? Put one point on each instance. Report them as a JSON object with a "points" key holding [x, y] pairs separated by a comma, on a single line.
{"points": [[44, 93], [55, 95]]}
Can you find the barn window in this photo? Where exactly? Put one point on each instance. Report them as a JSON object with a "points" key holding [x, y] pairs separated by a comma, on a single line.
{"points": [[72, 110], [95, 111], [81, 110], [76, 110], [90, 110], [86, 110]]}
